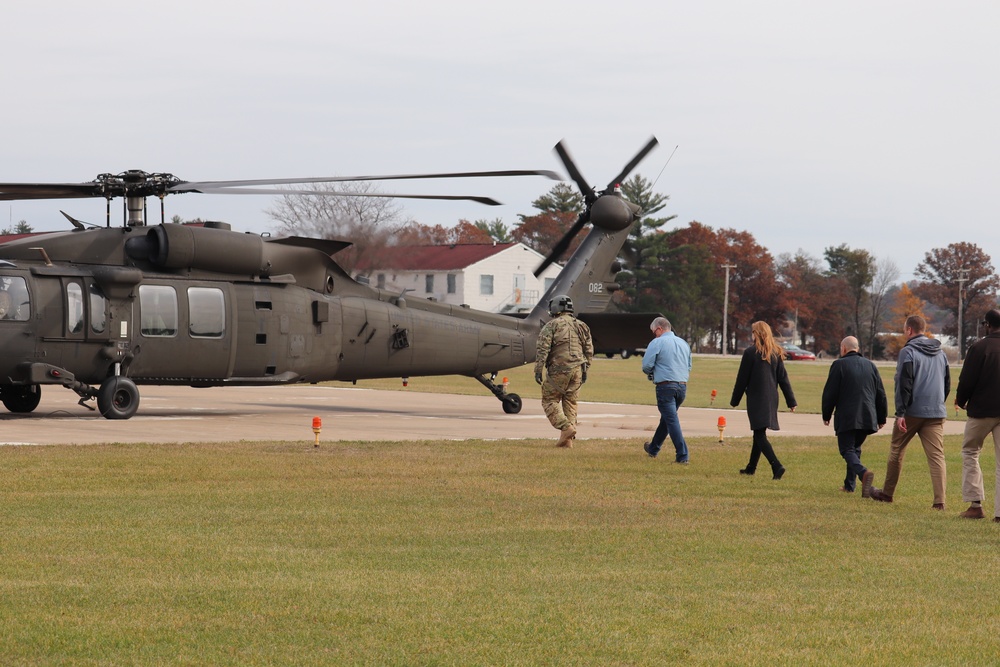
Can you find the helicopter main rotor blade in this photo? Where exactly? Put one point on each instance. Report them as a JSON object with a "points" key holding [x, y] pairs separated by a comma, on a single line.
{"points": [[16, 191], [650, 145], [386, 195], [137, 183], [198, 186]]}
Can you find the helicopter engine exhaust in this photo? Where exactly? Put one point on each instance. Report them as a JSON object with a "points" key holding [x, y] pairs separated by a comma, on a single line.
{"points": [[173, 246]]}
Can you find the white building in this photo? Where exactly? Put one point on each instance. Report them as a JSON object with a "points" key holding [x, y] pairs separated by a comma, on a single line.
{"points": [[495, 277]]}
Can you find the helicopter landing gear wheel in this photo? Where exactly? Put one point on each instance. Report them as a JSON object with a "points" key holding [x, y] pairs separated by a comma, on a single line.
{"points": [[118, 398], [512, 404], [21, 398]]}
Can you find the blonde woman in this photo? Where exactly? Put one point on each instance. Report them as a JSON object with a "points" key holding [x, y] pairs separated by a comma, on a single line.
{"points": [[762, 371]]}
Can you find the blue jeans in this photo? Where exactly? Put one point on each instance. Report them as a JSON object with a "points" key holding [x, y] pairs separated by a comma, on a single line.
{"points": [[669, 397]]}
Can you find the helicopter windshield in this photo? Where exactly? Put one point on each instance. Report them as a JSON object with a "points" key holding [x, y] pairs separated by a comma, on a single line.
{"points": [[15, 303]]}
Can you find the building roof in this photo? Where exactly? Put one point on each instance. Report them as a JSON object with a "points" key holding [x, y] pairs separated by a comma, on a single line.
{"points": [[435, 257]]}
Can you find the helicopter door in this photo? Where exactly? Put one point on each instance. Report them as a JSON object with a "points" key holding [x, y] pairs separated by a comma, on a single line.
{"points": [[85, 324], [183, 333], [368, 336]]}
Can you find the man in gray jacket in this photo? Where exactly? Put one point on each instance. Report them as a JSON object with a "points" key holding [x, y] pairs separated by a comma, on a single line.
{"points": [[922, 384], [855, 398]]}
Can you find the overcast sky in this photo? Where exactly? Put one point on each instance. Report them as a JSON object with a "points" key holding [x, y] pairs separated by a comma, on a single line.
{"points": [[808, 124]]}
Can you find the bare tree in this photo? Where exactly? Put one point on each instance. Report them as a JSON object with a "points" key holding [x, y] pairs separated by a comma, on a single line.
{"points": [[885, 277], [368, 222]]}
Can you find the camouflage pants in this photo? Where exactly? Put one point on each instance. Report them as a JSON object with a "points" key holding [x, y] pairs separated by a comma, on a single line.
{"points": [[559, 397]]}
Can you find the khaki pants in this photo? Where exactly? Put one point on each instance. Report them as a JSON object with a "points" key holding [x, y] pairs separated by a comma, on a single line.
{"points": [[976, 430], [931, 432]]}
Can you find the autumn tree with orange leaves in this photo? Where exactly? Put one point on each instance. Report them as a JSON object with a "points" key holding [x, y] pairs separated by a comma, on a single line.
{"points": [[941, 272], [686, 277], [418, 234], [558, 210]]}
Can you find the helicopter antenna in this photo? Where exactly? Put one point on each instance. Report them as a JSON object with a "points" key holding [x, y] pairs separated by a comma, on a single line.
{"points": [[665, 166]]}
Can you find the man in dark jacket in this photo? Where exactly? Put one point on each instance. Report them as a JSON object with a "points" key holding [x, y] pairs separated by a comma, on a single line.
{"points": [[922, 383], [979, 394], [855, 397]]}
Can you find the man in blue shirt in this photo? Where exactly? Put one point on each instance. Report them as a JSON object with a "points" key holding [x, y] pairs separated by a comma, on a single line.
{"points": [[667, 363]]}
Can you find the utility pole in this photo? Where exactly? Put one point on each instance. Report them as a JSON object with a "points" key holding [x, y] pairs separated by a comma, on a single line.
{"points": [[725, 312], [963, 277]]}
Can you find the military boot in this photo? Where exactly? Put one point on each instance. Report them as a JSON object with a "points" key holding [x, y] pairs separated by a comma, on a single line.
{"points": [[566, 436]]}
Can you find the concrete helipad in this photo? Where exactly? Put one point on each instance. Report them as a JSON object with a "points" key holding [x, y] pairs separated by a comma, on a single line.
{"points": [[183, 414]]}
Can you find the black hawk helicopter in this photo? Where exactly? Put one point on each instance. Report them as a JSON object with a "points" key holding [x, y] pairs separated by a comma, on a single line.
{"points": [[101, 310]]}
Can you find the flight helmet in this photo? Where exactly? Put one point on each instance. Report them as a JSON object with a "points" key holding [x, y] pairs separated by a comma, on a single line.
{"points": [[560, 304]]}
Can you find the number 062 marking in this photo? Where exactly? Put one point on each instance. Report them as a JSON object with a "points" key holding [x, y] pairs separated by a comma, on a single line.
{"points": [[596, 288]]}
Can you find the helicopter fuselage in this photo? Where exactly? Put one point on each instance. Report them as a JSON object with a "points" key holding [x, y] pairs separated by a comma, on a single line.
{"points": [[205, 307], [103, 310]]}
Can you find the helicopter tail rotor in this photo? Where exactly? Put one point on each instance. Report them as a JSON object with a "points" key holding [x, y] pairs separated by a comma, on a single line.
{"points": [[607, 209]]}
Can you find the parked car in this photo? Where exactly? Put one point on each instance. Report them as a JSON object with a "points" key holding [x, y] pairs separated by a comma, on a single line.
{"points": [[795, 353]]}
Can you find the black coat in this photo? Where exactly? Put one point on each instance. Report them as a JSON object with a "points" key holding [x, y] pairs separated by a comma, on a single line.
{"points": [[760, 380], [854, 395], [979, 383]]}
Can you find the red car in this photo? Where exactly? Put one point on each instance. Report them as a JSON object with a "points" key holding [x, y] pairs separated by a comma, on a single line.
{"points": [[795, 353]]}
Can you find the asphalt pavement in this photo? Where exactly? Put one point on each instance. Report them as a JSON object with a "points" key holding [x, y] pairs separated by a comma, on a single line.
{"points": [[184, 414]]}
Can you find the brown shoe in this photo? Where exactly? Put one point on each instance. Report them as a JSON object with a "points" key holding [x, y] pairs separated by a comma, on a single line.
{"points": [[845, 490], [879, 496], [938, 506], [566, 437], [973, 513], [867, 480], [996, 519]]}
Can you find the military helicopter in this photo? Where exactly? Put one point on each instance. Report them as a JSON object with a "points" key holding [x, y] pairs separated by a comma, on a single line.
{"points": [[103, 310]]}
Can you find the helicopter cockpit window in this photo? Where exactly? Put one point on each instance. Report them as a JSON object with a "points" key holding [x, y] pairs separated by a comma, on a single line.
{"points": [[158, 310], [74, 308], [207, 312], [14, 301], [98, 310]]}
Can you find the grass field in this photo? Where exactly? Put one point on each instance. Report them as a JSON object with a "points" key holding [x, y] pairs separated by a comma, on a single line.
{"points": [[489, 553], [482, 553]]}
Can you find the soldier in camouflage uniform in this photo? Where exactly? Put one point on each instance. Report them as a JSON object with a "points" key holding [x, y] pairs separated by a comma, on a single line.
{"points": [[566, 350]]}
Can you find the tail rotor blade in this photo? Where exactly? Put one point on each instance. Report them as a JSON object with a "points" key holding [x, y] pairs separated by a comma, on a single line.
{"points": [[586, 190], [560, 247], [650, 145]]}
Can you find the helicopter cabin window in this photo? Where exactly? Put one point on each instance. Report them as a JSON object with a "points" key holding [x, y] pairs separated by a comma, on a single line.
{"points": [[14, 301], [98, 309], [158, 310], [429, 283], [486, 285], [74, 308], [451, 283], [206, 312]]}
